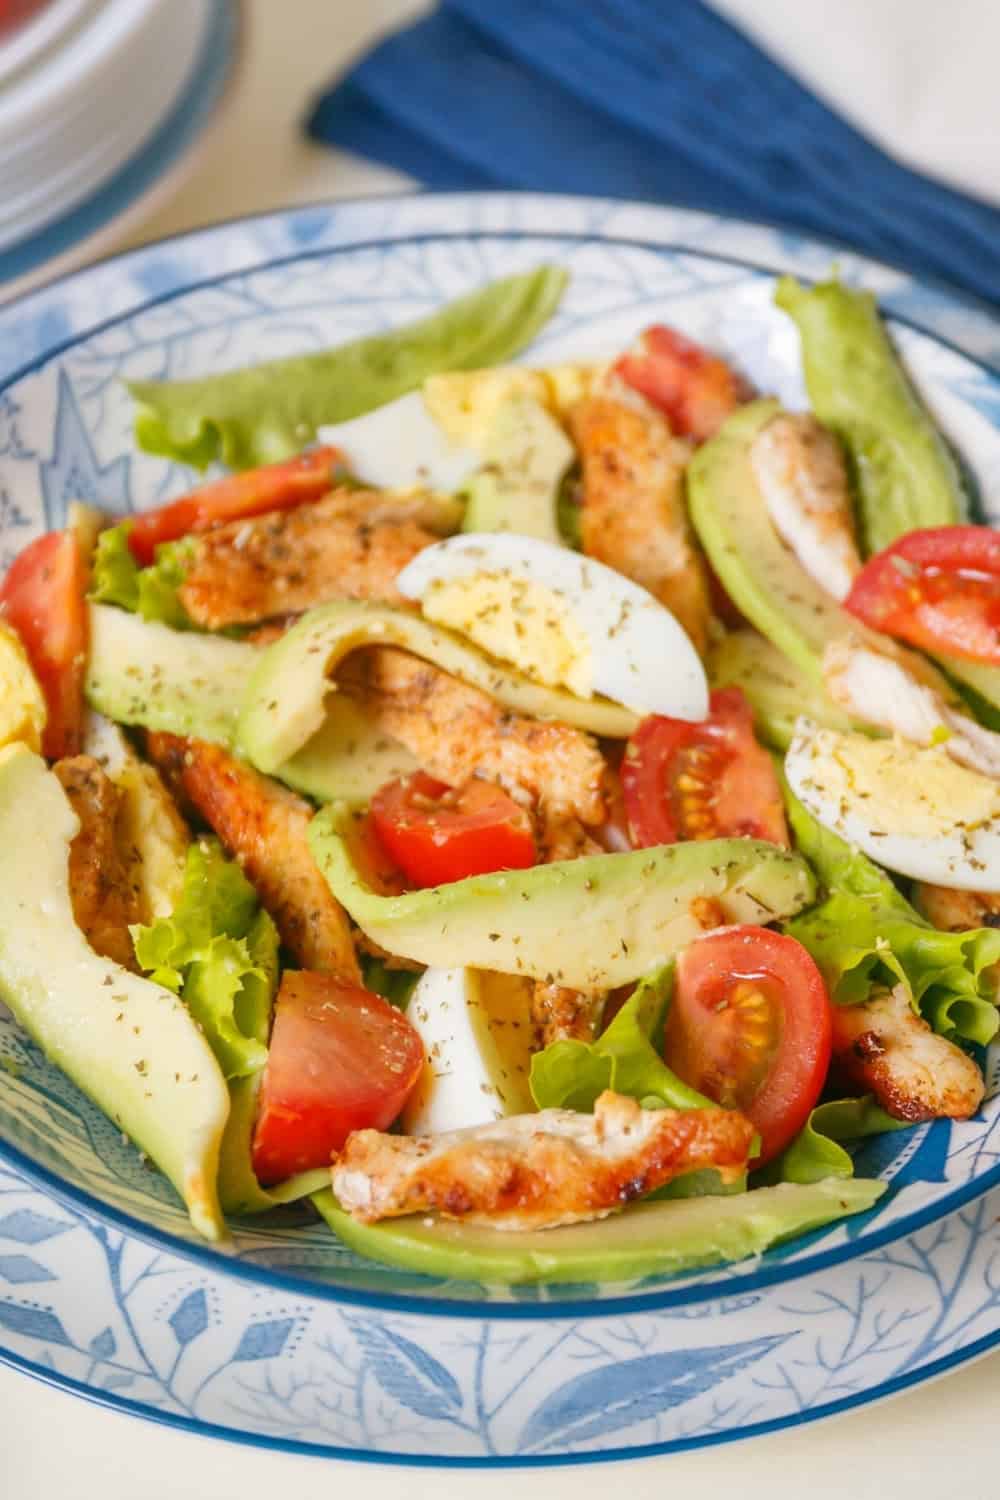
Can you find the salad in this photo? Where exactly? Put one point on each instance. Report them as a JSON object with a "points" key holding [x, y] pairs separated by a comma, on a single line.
{"points": [[537, 816]]}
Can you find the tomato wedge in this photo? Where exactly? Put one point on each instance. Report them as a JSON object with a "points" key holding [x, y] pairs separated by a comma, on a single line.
{"points": [[436, 835], [341, 1058], [695, 390], [938, 589], [42, 598], [275, 487], [750, 1024], [702, 781]]}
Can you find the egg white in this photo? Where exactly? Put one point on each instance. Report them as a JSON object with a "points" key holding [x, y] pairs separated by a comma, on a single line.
{"points": [[477, 1035], [616, 639], [911, 809], [400, 446]]}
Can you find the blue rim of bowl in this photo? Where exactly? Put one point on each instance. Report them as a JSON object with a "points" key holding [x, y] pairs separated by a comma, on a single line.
{"points": [[663, 1299], [191, 113], [895, 1386]]}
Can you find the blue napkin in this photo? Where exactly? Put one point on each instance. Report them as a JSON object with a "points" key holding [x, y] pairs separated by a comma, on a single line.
{"points": [[656, 99]]}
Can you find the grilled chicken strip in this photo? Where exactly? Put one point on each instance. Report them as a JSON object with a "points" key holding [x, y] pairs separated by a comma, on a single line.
{"points": [[956, 911], [456, 731], [537, 1171], [102, 883], [800, 469], [882, 1046], [263, 825], [633, 515], [350, 545], [882, 691]]}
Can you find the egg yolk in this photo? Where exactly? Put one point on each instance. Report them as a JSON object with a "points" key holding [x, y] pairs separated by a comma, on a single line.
{"points": [[519, 621]]}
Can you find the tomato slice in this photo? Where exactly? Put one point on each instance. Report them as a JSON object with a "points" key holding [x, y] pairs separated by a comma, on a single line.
{"points": [[695, 390], [702, 781], [436, 835], [750, 1024], [341, 1058], [42, 598], [275, 487], [938, 589]]}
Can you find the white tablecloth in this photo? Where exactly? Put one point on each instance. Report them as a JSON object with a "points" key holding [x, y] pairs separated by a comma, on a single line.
{"points": [[921, 77]]}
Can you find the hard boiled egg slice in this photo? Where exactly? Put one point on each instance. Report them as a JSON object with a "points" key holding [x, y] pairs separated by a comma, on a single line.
{"points": [[400, 446], [477, 1030], [561, 618], [911, 809]]}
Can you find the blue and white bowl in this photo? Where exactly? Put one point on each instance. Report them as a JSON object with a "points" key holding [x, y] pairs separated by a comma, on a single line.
{"points": [[287, 1338]]}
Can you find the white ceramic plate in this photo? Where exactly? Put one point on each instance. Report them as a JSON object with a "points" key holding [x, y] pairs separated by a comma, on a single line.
{"points": [[80, 168], [289, 1339]]}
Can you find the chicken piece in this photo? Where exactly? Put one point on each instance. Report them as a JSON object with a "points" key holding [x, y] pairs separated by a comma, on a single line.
{"points": [[882, 1046], [538, 1171], [881, 690], [561, 1015], [956, 911], [633, 515], [263, 825], [102, 881], [800, 469], [456, 731], [350, 545]]}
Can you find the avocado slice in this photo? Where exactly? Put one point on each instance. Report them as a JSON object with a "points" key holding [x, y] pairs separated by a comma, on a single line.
{"points": [[905, 476], [648, 1239], [776, 689], [287, 697], [762, 576], [591, 923], [129, 1044], [141, 672], [527, 455]]}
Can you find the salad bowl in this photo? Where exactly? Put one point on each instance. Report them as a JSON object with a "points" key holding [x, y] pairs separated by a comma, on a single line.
{"points": [[283, 1336]]}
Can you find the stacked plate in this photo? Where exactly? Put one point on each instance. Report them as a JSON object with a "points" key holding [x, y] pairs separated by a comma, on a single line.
{"points": [[86, 86]]}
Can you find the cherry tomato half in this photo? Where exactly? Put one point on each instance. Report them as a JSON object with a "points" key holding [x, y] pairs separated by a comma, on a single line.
{"points": [[938, 589], [436, 835], [42, 598], [702, 781], [341, 1058], [276, 487], [750, 1024], [695, 390]]}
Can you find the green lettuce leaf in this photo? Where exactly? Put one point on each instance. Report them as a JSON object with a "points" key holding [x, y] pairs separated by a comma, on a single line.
{"points": [[152, 592], [570, 1075], [816, 1152], [220, 954], [270, 411], [866, 933]]}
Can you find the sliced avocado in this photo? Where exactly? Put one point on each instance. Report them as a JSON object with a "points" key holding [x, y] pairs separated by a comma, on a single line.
{"points": [[591, 923], [905, 476], [648, 1239], [776, 689], [141, 672], [980, 683], [288, 696], [762, 576], [348, 758], [527, 455], [128, 1043]]}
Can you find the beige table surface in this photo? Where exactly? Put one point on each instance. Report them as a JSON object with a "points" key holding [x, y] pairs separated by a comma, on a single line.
{"points": [[938, 1441]]}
